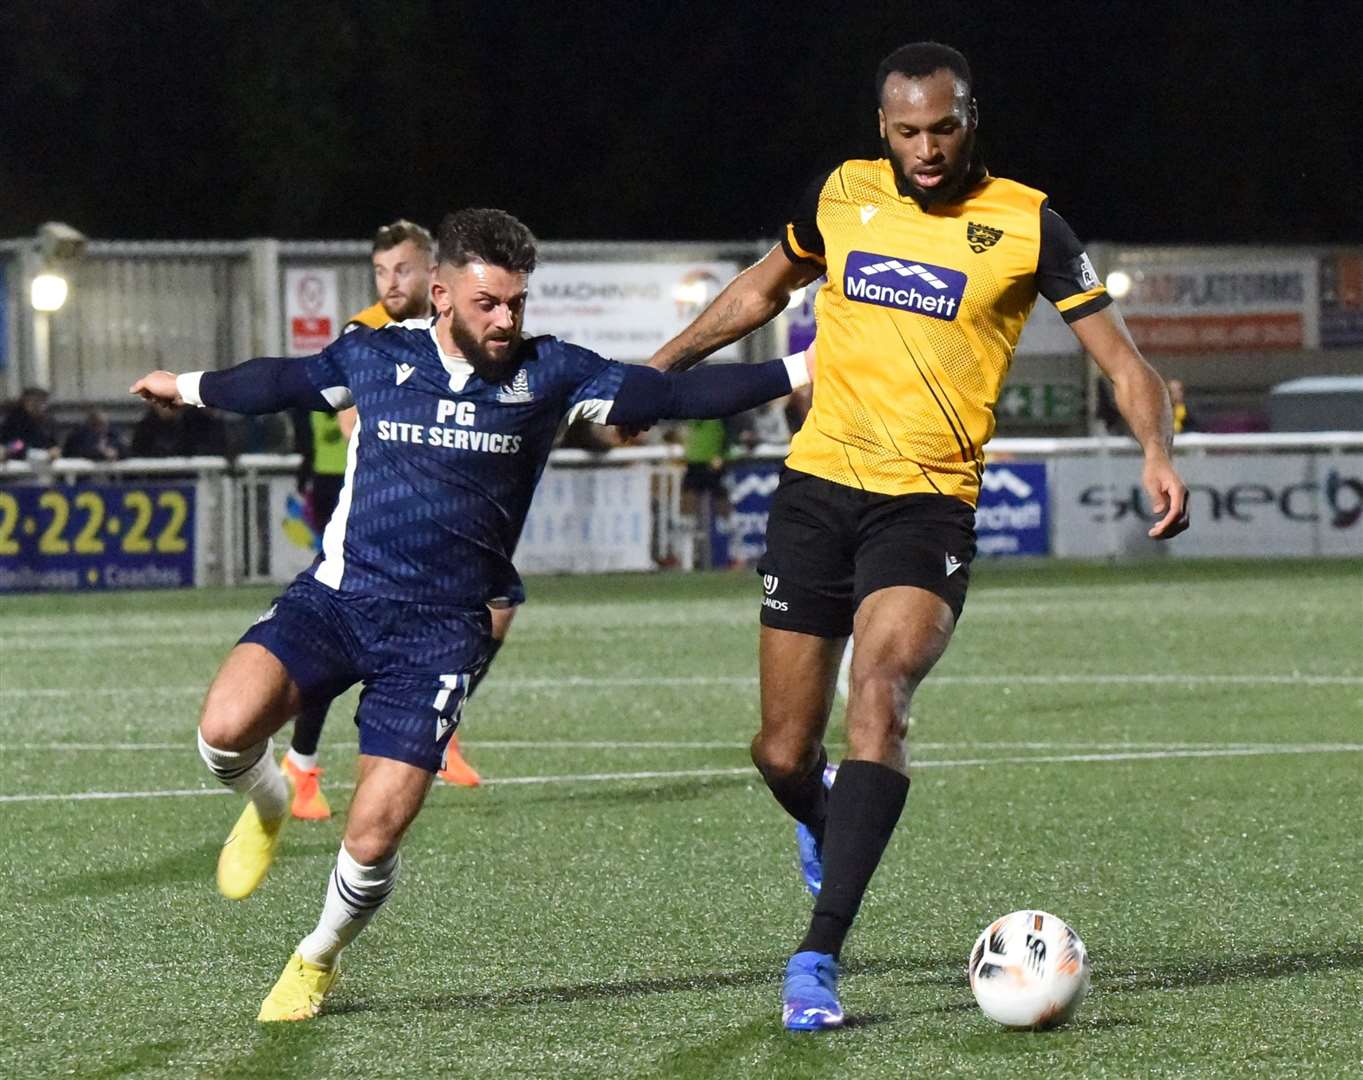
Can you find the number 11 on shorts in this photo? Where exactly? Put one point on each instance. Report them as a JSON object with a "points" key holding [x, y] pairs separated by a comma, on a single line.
{"points": [[449, 704]]}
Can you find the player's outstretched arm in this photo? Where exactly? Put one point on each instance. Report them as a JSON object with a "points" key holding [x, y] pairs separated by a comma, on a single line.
{"points": [[263, 385], [1144, 404], [646, 396], [159, 388], [754, 297]]}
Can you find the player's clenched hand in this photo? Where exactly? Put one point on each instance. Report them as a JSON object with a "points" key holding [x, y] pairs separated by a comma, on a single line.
{"points": [[158, 387], [1168, 497]]}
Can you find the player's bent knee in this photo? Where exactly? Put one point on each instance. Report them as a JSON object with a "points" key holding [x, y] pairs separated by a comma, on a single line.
{"points": [[232, 722], [779, 759], [226, 729], [249, 700], [372, 845]]}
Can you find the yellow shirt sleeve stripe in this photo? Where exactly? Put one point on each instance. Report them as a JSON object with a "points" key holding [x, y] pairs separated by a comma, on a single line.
{"points": [[1080, 298], [794, 246]]}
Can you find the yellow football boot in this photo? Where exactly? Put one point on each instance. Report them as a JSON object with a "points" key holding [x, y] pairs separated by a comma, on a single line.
{"points": [[247, 854], [299, 992]]}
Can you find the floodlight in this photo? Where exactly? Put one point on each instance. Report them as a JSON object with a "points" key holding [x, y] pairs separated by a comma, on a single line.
{"points": [[48, 292], [1119, 283]]}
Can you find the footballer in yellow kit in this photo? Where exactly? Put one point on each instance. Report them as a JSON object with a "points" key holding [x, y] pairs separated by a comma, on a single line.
{"points": [[918, 322], [932, 267], [923, 304]]}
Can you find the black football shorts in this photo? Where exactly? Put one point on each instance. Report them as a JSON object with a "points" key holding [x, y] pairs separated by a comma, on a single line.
{"points": [[830, 546]]}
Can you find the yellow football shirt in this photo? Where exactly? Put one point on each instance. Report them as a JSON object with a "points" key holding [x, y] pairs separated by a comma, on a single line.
{"points": [[917, 322], [374, 317], [328, 444]]}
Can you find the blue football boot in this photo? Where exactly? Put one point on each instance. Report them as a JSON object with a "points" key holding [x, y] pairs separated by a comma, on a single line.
{"points": [[811, 857], [809, 997]]}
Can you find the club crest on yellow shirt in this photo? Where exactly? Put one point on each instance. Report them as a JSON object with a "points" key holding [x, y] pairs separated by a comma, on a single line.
{"points": [[981, 237]]}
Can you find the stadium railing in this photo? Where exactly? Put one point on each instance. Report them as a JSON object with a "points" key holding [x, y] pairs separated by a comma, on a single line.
{"points": [[1261, 494]]}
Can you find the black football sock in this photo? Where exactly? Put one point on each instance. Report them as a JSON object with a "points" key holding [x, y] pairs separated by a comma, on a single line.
{"points": [[863, 809], [307, 729], [478, 675], [804, 797]]}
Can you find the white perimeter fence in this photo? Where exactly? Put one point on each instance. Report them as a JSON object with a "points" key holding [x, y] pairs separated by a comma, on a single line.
{"points": [[211, 521]]}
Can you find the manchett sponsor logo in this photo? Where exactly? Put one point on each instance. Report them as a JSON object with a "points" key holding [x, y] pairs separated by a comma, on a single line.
{"points": [[918, 287], [996, 479]]}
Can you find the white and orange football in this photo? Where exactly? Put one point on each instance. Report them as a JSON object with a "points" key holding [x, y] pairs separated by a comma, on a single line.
{"points": [[1029, 970]]}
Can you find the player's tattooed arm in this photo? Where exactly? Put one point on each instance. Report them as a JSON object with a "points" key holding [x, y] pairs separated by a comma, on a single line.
{"points": [[753, 298], [1144, 405]]}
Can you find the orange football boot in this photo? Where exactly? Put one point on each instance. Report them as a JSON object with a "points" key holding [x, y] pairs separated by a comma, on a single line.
{"points": [[308, 801], [455, 770]]}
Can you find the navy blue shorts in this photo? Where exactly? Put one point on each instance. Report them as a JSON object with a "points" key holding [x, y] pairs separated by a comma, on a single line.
{"points": [[415, 661]]}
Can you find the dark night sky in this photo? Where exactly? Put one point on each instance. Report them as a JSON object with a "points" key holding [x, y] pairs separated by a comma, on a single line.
{"points": [[181, 119]]}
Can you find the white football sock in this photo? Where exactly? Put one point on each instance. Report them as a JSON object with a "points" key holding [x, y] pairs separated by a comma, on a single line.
{"points": [[251, 772], [303, 762], [354, 895]]}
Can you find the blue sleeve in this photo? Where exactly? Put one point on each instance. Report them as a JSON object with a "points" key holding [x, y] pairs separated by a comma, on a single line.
{"points": [[272, 383], [646, 395]]}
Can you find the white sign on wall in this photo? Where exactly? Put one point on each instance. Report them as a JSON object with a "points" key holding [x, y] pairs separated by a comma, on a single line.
{"points": [[589, 520], [1240, 504], [625, 311], [1225, 305], [291, 542], [312, 312]]}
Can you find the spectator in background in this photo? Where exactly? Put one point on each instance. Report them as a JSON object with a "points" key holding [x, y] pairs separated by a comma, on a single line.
{"points": [[704, 498], [164, 431], [1183, 419], [330, 434], [94, 439], [1106, 412], [158, 433], [273, 434], [27, 426], [767, 426]]}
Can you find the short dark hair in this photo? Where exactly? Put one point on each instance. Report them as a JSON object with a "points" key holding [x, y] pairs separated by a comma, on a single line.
{"points": [[399, 232], [921, 59], [490, 236]]}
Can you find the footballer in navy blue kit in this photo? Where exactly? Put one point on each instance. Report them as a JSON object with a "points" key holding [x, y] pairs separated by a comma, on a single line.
{"points": [[457, 415], [440, 473]]}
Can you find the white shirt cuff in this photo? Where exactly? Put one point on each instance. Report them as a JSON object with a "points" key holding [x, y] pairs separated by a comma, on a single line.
{"points": [[187, 385], [797, 370]]}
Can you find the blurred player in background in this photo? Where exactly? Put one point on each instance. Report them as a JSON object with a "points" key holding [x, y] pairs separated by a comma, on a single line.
{"points": [[457, 416], [933, 267], [1183, 419], [403, 257]]}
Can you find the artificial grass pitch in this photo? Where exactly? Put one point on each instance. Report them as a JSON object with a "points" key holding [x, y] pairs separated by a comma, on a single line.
{"points": [[1168, 756]]}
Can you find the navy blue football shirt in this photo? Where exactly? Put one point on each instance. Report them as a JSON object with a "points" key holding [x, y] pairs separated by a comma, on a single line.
{"points": [[442, 465], [443, 462]]}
